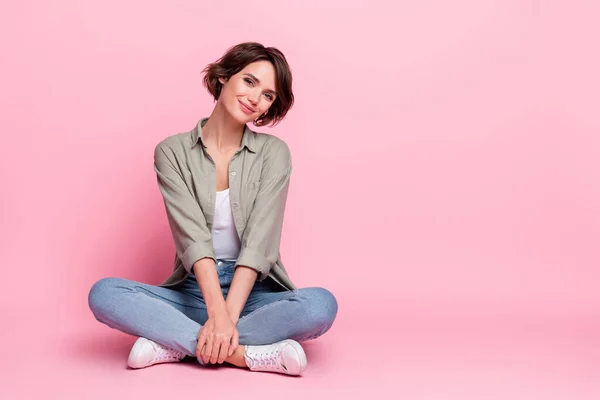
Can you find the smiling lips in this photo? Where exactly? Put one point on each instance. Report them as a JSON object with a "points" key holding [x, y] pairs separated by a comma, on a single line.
{"points": [[245, 108]]}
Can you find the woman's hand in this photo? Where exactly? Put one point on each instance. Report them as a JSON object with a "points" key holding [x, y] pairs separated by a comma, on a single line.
{"points": [[218, 339]]}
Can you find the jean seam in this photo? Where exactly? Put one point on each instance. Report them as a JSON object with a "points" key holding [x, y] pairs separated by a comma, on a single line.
{"points": [[141, 288]]}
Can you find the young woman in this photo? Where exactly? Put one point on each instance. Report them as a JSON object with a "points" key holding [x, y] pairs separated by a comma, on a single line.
{"points": [[224, 186]]}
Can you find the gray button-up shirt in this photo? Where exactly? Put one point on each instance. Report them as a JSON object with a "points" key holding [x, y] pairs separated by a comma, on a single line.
{"points": [[259, 177]]}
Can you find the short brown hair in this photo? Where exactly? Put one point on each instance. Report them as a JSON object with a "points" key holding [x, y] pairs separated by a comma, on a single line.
{"points": [[236, 59]]}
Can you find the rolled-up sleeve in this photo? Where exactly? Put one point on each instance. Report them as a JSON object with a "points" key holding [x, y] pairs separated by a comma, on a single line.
{"points": [[262, 235], [193, 239]]}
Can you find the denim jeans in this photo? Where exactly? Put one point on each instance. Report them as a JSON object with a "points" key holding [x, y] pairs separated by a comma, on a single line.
{"points": [[173, 316]]}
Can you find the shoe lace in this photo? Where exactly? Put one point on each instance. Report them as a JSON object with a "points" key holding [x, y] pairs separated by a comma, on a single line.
{"points": [[166, 353], [267, 359]]}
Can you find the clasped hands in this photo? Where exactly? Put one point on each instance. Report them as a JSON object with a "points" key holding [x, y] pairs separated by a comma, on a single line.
{"points": [[218, 338]]}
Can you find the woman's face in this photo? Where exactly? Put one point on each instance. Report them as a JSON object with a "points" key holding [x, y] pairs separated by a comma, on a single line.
{"points": [[249, 93]]}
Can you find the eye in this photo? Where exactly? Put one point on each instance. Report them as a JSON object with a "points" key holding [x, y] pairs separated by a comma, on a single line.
{"points": [[248, 81], [269, 96]]}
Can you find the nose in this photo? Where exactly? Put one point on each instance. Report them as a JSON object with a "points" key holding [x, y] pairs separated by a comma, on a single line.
{"points": [[253, 97]]}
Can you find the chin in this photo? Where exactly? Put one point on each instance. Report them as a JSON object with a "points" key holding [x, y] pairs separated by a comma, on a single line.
{"points": [[243, 118]]}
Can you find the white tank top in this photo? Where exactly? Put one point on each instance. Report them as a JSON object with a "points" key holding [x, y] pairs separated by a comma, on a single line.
{"points": [[226, 242]]}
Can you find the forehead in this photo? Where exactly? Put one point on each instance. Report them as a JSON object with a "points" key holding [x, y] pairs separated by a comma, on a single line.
{"points": [[264, 71]]}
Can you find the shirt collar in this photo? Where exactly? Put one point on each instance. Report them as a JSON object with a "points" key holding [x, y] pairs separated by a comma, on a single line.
{"points": [[248, 139]]}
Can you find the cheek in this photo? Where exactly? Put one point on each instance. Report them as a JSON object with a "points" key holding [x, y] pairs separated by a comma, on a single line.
{"points": [[264, 105], [230, 98], [240, 89]]}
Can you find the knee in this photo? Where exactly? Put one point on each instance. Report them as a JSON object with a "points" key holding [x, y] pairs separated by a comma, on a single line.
{"points": [[322, 306], [102, 294]]}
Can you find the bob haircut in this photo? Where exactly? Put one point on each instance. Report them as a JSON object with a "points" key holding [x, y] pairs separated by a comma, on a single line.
{"points": [[236, 59]]}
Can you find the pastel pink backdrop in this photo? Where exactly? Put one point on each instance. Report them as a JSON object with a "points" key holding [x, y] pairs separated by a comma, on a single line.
{"points": [[445, 186]]}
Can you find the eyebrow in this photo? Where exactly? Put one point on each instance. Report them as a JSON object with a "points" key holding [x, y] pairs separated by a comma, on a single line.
{"points": [[258, 81]]}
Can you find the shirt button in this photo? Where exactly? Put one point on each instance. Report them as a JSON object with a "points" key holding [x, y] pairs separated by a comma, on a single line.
{"points": [[235, 205], [233, 173]]}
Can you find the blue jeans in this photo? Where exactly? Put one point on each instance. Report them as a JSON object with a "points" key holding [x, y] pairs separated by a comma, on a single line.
{"points": [[173, 316]]}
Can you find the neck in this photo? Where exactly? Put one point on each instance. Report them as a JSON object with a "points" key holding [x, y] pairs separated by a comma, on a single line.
{"points": [[222, 131]]}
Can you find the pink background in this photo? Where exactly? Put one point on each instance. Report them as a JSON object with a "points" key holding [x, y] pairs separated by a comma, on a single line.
{"points": [[445, 189]]}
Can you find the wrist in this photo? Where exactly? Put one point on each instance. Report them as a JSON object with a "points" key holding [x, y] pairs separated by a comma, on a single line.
{"points": [[217, 309], [233, 314]]}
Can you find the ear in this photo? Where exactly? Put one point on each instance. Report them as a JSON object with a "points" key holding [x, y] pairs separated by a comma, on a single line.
{"points": [[223, 80]]}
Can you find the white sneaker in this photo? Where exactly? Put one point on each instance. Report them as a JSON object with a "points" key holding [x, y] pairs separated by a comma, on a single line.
{"points": [[145, 353], [286, 357]]}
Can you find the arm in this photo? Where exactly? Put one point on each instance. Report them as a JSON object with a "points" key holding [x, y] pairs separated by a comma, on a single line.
{"points": [[193, 239], [262, 235], [208, 280], [241, 286]]}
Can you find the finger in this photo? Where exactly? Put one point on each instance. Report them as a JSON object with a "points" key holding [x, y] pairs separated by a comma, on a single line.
{"points": [[215, 353], [201, 344], [223, 353], [208, 348], [235, 341]]}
